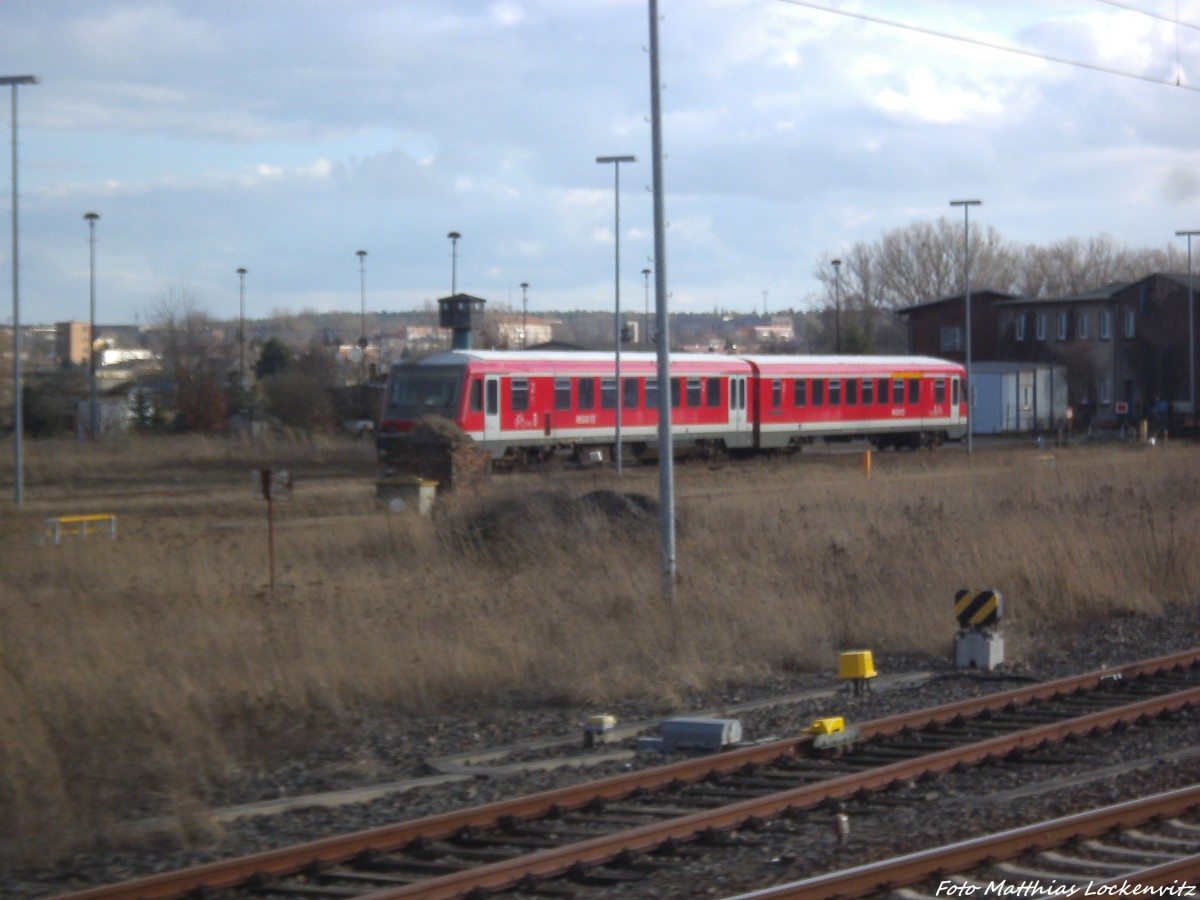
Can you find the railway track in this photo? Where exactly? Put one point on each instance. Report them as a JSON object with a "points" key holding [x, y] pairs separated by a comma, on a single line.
{"points": [[615, 829], [1152, 842]]}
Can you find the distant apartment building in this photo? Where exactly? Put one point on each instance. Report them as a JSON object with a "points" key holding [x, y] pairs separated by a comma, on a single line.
{"points": [[72, 342]]}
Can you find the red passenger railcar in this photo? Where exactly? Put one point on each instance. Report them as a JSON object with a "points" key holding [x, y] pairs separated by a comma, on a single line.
{"points": [[534, 404]]}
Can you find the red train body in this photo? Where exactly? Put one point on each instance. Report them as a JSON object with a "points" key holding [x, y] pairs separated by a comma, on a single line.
{"points": [[517, 404]]}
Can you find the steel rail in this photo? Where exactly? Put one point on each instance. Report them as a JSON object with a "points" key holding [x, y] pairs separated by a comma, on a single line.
{"points": [[344, 848], [550, 863], [963, 856]]}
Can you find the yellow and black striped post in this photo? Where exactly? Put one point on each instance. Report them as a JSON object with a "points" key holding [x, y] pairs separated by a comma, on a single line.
{"points": [[978, 610]]}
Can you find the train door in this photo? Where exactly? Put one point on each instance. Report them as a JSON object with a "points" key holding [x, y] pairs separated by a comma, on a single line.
{"points": [[491, 408], [738, 418]]}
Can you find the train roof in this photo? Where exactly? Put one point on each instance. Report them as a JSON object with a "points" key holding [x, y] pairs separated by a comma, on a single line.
{"points": [[717, 360]]}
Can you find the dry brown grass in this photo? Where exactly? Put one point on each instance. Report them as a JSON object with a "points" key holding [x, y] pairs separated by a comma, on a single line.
{"points": [[135, 674]]}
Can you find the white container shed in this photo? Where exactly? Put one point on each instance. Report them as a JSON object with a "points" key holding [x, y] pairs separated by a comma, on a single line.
{"points": [[1014, 398]]}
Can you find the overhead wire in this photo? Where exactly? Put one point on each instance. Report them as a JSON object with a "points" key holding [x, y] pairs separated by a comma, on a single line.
{"points": [[1006, 48]]}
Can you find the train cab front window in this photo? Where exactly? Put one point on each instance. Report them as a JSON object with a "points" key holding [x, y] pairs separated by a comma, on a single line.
{"points": [[416, 392]]}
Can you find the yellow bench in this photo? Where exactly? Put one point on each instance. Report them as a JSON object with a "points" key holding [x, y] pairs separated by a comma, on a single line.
{"points": [[59, 527]]}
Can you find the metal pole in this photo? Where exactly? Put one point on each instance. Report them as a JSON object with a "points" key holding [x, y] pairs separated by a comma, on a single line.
{"points": [[966, 205], [18, 411], [837, 306], [524, 314], [454, 236], [666, 459], [241, 332], [362, 289], [1191, 325], [616, 161], [646, 311], [93, 421]]}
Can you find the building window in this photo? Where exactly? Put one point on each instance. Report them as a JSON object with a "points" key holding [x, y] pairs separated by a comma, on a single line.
{"points": [[952, 338], [1102, 391], [1130, 323], [1020, 326], [1040, 326], [1063, 320], [1081, 325], [1105, 325]]}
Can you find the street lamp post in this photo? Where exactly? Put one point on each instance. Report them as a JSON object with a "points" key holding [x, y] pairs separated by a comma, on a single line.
{"points": [[837, 306], [524, 314], [616, 164], [362, 327], [93, 421], [18, 414], [966, 205], [1191, 325], [241, 272], [646, 312], [454, 236]]}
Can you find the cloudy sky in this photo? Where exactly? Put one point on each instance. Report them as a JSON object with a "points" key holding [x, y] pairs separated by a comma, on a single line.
{"points": [[285, 135]]}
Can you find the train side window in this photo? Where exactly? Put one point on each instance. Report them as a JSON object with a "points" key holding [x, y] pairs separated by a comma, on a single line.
{"points": [[939, 391], [883, 391], [608, 393], [914, 390], [587, 393], [741, 393], [818, 392], [713, 392], [651, 393], [800, 392], [852, 392], [693, 393], [676, 388], [776, 393], [898, 390], [629, 392], [562, 393], [954, 391], [835, 392], [520, 394], [868, 393], [475, 398]]}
